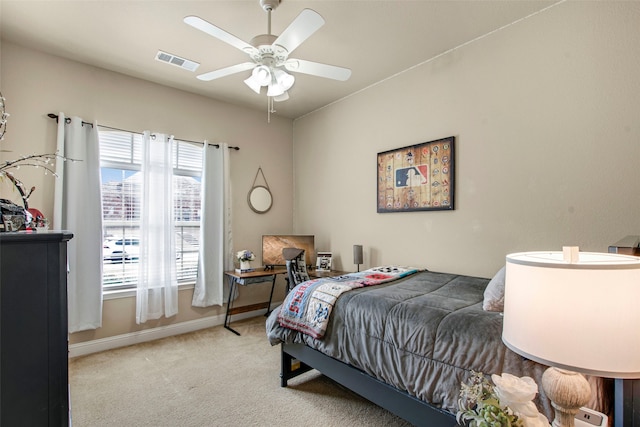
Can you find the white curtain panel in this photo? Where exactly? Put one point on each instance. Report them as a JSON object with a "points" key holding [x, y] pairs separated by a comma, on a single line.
{"points": [[78, 209], [214, 227], [157, 290], [228, 254]]}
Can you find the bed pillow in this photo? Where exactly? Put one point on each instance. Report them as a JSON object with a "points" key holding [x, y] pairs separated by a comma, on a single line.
{"points": [[494, 293]]}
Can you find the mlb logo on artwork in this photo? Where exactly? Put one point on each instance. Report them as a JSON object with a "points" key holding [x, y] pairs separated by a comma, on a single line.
{"points": [[412, 176]]}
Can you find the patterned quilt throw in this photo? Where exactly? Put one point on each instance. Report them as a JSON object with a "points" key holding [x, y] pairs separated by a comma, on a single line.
{"points": [[308, 306]]}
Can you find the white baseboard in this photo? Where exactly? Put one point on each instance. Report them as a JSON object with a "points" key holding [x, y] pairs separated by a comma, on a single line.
{"points": [[102, 344]]}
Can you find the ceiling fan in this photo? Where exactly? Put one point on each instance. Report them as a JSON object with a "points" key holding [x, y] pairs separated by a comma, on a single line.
{"points": [[270, 54]]}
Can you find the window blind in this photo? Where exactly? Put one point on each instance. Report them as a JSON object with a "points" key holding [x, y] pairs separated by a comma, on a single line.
{"points": [[120, 164]]}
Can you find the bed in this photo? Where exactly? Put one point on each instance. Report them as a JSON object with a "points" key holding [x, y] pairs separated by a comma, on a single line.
{"points": [[408, 343]]}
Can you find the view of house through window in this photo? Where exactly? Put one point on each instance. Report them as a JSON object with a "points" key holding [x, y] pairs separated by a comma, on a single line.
{"points": [[120, 165]]}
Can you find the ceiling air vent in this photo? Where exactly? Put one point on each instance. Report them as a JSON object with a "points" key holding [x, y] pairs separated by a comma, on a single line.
{"points": [[177, 61]]}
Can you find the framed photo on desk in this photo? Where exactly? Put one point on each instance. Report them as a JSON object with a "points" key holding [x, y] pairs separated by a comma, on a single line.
{"points": [[323, 262]]}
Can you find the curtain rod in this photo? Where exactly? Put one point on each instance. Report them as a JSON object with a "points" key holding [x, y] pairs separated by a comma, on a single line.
{"points": [[68, 120]]}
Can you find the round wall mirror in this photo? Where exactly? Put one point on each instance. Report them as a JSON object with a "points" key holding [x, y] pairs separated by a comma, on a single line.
{"points": [[260, 199]]}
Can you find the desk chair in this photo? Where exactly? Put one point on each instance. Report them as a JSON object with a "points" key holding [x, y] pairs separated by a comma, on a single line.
{"points": [[296, 267]]}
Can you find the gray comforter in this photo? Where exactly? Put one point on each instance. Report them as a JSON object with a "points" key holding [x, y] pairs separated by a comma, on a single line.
{"points": [[423, 334]]}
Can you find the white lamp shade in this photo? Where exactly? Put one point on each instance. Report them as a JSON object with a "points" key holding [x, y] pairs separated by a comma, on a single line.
{"points": [[275, 90], [284, 79], [261, 75], [253, 84], [280, 83], [581, 316], [282, 97], [357, 254]]}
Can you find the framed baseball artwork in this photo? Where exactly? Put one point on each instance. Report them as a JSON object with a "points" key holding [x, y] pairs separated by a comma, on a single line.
{"points": [[417, 178]]}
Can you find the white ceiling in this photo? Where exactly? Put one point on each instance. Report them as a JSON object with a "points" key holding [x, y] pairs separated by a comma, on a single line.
{"points": [[375, 39]]}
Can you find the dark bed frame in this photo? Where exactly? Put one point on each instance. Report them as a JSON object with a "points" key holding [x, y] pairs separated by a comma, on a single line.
{"points": [[297, 359]]}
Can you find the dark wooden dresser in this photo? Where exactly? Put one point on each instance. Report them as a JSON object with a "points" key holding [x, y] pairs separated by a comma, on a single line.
{"points": [[627, 406], [34, 388], [629, 245]]}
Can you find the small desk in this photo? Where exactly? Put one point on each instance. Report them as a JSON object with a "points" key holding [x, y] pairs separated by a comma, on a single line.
{"points": [[258, 276]]}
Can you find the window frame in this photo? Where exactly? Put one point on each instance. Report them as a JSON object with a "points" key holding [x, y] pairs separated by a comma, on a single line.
{"points": [[192, 168]]}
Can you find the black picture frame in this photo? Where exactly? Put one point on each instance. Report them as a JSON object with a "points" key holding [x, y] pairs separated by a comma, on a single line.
{"points": [[418, 177]]}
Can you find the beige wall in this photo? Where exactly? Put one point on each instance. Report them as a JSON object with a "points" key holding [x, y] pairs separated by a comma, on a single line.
{"points": [[546, 119], [545, 115], [36, 84]]}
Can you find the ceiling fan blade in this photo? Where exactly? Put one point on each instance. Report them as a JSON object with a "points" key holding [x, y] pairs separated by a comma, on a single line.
{"points": [[305, 24], [318, 69], [207, 27], [216, 74]]}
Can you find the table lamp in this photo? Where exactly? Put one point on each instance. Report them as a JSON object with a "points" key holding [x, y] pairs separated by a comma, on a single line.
{"points": [[357, 255], [575, 312]]}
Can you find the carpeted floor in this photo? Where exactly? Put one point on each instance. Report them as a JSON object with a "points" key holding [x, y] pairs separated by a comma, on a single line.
{"points": [[209, 378]]}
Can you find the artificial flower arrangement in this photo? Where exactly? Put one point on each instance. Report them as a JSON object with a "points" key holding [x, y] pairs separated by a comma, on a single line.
{"points": [[245, 255], [508, 403]]}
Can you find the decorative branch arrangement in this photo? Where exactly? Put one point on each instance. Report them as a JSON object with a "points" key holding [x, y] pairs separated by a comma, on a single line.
{"points": [[3, 118], [21, 189], [45, 161]]}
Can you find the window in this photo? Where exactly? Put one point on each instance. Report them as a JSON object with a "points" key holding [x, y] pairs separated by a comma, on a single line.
{"points": [[120, 165]]}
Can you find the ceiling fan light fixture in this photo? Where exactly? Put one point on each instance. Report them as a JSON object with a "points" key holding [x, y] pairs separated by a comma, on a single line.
{"points": [[270, 54], [251, 82], [284, 79], [282, 97], [261, 75], [275, 90]]}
